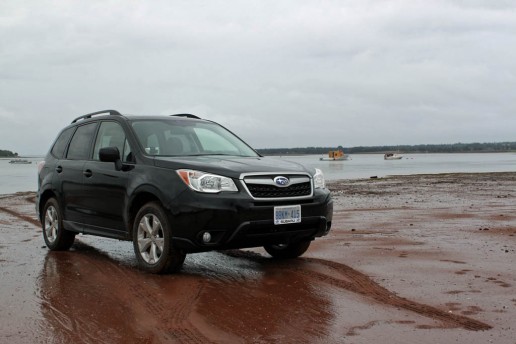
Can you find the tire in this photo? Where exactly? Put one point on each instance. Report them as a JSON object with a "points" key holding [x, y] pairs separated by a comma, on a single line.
{"points": [[152, 241], [288, 251], [56, 237]]}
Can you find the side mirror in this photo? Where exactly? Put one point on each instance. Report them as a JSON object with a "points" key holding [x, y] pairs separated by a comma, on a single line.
{"points": [[111, 154]]}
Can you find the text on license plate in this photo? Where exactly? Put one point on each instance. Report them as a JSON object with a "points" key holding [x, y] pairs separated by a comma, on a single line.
{"points": [[287, 214]]}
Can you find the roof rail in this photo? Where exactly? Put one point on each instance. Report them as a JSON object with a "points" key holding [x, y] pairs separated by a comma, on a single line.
{"points": [[111, 112], [187, 115]]}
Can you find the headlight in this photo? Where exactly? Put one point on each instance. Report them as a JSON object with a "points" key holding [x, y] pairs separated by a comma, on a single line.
{"points": [[206, 182], [319, 179]]}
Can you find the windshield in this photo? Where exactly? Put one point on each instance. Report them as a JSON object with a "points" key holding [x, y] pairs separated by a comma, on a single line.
{"points": [[188, 138]]}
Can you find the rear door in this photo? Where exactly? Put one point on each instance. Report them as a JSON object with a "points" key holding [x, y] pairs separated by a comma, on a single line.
{"points": [[69, 173]]}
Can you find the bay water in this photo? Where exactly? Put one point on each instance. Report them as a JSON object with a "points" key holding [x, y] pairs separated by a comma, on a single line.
{"points": [[373, 165], [23, 177]]}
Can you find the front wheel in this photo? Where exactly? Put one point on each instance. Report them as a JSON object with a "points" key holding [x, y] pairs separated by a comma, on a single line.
{"points": [[152, 241], [286, 251], [56, 237]]}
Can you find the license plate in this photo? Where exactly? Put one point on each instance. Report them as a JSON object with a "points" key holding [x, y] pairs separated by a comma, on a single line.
{"points": [[287, 214]]}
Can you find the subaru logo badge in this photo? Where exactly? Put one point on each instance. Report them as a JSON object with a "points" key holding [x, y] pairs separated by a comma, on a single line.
{"points": [[281, 181]]}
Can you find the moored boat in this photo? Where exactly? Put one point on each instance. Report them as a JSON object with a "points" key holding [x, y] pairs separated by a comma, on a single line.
{"points": [[335, 155], [20, 161], [392, 156]]}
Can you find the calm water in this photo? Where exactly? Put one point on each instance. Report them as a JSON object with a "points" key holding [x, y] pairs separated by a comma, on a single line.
{"points": [[17, 177], [367, 165]]}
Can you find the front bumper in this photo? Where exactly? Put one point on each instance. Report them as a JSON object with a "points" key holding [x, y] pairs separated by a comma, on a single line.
{"points": [[236, 221]]}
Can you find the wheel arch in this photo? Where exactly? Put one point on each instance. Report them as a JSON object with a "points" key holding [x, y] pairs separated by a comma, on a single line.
{"points": [[43, 198], [141, 198]]}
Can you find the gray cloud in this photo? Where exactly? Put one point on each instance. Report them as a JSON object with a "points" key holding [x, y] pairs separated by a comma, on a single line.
{"points": [[278, 73]]}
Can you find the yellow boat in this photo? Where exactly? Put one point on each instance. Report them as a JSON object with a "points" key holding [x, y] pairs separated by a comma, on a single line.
{"points": [[335, 155]]}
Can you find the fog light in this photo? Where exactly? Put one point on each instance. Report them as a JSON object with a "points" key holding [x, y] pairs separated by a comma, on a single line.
{"points": [[206, 237]]}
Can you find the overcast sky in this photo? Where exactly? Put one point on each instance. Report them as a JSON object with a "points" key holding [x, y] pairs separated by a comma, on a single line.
{"points": [[278, 73]]}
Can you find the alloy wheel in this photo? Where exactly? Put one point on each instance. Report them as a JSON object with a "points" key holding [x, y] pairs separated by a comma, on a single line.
{"points": [[150, 238], [51, 224]]}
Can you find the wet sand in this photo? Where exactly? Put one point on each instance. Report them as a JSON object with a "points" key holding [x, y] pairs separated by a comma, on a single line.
{"points": [[411, 259]]}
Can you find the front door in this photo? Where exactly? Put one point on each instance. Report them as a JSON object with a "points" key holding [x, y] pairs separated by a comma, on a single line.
{"points": [[105, 196]]}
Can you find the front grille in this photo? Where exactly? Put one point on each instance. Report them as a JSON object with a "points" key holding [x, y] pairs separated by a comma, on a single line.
{"points": [[264, 187], [271, 191]]}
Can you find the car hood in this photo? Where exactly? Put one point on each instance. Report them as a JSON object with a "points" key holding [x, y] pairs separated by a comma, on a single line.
{"points": [[232, 166]]}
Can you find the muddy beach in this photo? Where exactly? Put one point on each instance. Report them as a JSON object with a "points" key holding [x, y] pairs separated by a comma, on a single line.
{"points": [[410, 259]]}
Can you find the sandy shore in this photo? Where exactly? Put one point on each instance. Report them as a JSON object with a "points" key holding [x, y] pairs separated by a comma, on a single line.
{"points": [[411, 259]]}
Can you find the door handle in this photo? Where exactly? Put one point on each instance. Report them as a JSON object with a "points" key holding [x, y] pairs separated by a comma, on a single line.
{"points": [[87, 173], [59, 169]]}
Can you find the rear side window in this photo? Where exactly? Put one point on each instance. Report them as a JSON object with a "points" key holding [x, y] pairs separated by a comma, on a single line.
{"points": [[61, 142], [81, 142]]}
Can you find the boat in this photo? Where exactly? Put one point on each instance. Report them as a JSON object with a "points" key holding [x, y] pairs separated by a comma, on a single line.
{"points": [[392, 156], [20, 161], [335, 155]]}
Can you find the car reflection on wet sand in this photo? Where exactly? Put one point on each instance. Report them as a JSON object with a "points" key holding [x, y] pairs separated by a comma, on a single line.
{"points": [[88, 296]]}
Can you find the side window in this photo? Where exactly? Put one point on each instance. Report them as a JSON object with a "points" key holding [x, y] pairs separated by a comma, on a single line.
{"points": [[150, 135], [81, 142], [61, 142], [111, 134]]}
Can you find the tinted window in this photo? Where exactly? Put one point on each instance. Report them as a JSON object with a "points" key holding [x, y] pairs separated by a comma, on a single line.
{"points": [[61, 142], [81, 142]]}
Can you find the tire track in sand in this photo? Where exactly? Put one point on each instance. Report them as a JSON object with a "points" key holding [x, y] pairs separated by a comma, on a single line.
{"points": [[27, 197], [359, 283], [26, 218]]}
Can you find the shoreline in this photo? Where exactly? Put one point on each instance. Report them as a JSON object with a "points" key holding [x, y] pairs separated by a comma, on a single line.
{"points": [[443, 174], [337, 181]]}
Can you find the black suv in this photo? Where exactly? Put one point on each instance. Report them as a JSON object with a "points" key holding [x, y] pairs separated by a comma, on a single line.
{"points": [[175, 185]]}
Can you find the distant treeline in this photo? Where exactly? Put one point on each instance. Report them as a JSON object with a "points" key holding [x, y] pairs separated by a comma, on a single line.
{"points": [[438, 148], [8, 154]]}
